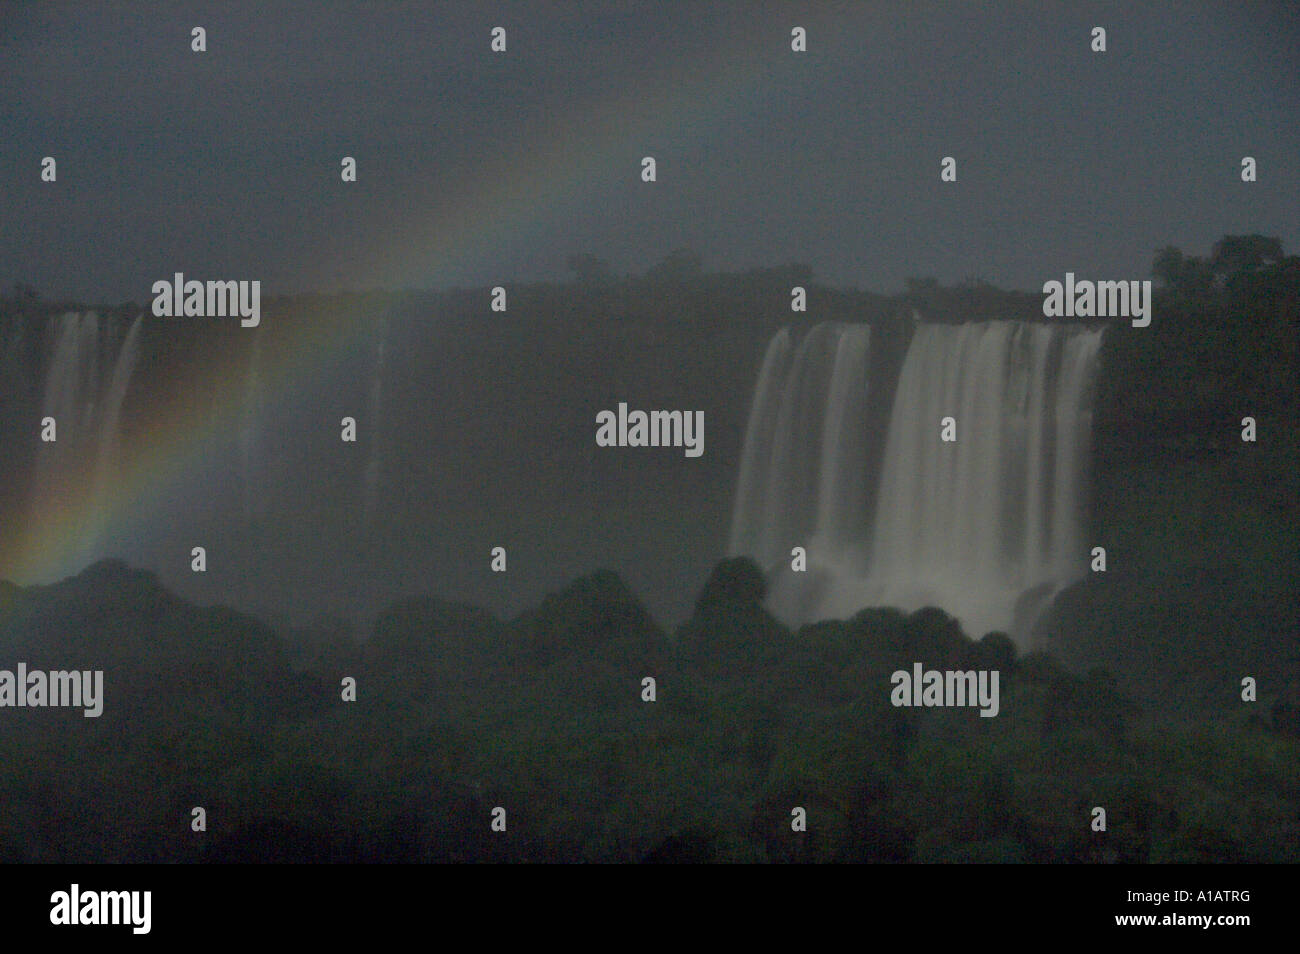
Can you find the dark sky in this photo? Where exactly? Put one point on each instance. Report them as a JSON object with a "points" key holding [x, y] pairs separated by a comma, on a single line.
{"points": [[478, 168]]}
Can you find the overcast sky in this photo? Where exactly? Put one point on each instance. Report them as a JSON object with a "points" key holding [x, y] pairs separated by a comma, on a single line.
{"points": [[479, 168]]}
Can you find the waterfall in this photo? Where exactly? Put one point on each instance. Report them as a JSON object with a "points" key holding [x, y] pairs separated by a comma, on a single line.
{"points": [[789, 507], [86, 382], [842, 486], [792, 463], [71, 389], [755, 462], [64, 466], [987, 527], [107, 461]]}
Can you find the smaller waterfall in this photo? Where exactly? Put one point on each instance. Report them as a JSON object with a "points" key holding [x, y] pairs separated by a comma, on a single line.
{"points": [[802, 468], [87, 380], [108, 458], [841, 492], [755, 463], [71, 391]]}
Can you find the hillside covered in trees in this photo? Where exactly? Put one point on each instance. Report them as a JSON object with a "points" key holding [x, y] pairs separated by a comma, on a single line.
{"points": [[458, 712]]}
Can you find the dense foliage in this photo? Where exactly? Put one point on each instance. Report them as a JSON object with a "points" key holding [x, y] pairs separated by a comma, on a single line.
{"points": [[543, 715]]}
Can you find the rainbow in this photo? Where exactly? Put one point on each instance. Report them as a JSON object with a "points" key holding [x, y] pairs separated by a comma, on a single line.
{"points": [[597, 145]]}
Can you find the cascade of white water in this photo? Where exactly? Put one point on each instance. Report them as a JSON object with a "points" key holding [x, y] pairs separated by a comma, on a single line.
{"points": [[790, 506], [972, 525], [108, 452], [755, 462], [70, 396], [110, 418], [799, 391], [802, 476], [841, 491], [72, 380], [85, 386]]}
